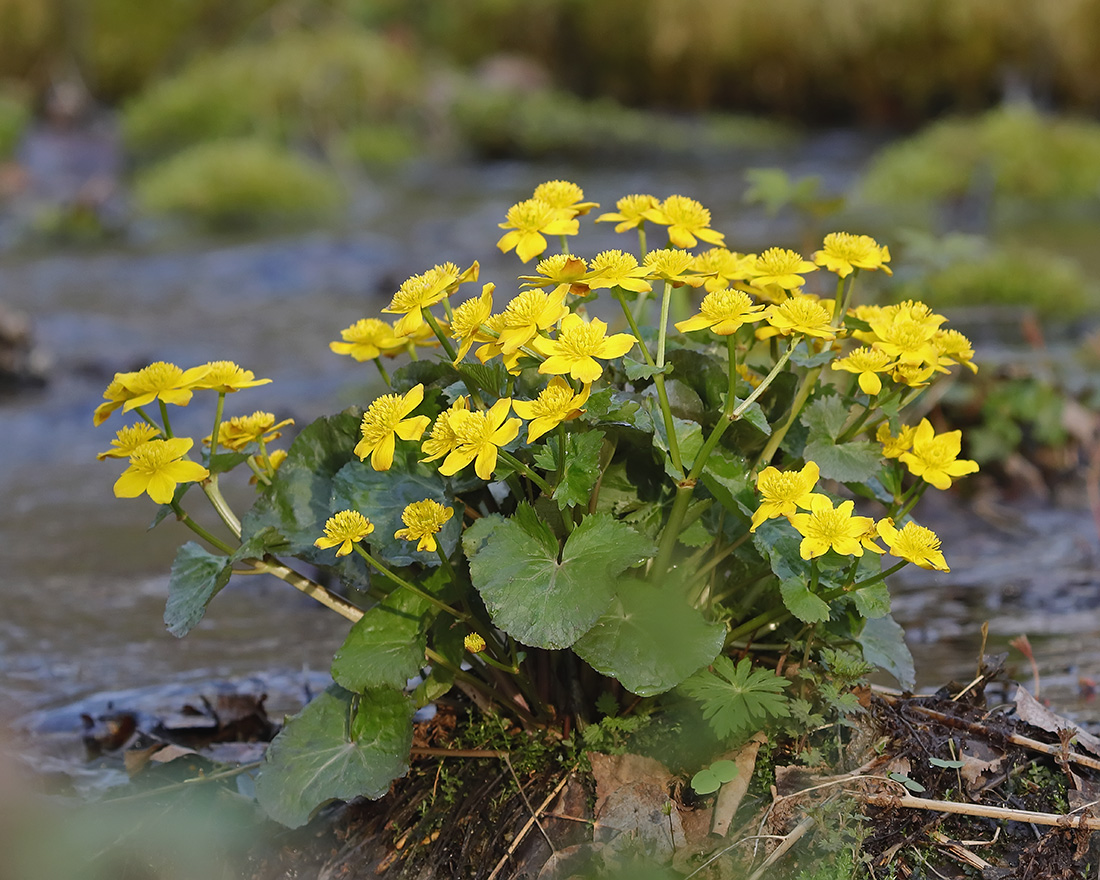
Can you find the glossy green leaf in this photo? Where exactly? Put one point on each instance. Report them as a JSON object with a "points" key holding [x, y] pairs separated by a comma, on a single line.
{"points": [[639, 370], [872, 601], [883, 643], [689, 438], [825, 417], [754, 415], [531, 594], [582, 469], [802, 603], [612, 407], [385, 647], [854, 462], [340, 746], [650, 639], [197, 577]]}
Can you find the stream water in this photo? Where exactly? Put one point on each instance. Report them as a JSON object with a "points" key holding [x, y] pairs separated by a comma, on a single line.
{"points": [[84, 582]]}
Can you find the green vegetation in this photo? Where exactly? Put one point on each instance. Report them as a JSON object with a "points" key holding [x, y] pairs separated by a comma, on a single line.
{"points": [[238, 184], [14, 116]]}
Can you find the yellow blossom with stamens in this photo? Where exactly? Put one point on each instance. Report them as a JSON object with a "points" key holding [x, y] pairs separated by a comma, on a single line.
{"points": [[630, 212], [115, 395], [531, 311], [560, 269], [443, 438], [895, 447], [781, 267], [384, 420], [344, 529], [473, 643], [825, 528], [479, 435], [160, 380], [722, 268], [935, 457], [869, 538], [913, 543], [423, 291], [529, 221], [227, 377], [673, 266], [564, 196], [466, 321], [913, 375], [556, 403], [423, 521], [367, 339], [843, 252], [954, 347], [237, 432], [128, 439], [867, 363], [724, 312], [783, 492], [577, 346], [617, 269], [157, 467], [687, 221], [801, 314]]}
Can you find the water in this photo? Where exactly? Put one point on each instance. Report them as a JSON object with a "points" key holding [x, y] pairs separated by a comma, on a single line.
{"points": [[84, 582]]}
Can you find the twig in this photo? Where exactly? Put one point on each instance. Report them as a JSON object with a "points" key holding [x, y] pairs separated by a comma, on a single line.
{"points": [[527, 827], [790, 840], [917, 803], [957, 851]]}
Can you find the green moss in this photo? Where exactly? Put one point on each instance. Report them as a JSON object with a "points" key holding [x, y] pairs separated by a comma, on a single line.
{"points": [[238, 184], [300, 87], [1011, 154]]}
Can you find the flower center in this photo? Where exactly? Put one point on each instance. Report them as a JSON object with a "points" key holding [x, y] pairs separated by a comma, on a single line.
{"points": [[382, 417]]}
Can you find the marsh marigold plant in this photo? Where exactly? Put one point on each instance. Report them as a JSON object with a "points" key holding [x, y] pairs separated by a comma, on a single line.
{"points": [[573, 480]]}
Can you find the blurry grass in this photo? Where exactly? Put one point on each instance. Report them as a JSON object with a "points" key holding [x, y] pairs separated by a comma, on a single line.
{"points": [[239, 185], [300, 88], [14, 116]]}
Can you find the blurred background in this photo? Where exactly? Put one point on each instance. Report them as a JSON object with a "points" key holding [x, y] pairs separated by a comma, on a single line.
{"points": [[205, 179]]}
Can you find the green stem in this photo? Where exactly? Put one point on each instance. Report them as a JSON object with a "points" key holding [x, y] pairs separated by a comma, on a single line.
{"points": [[257, 470], [382, 370], [808, 382], [914, 494], [412, 588], [439, 334], [526, 471], [641, 242], [217, 425], [671, 532], [475, 682], [662, 327], [185, 518], [164, 417], [269, 565], [564, 244], [221, 506]]}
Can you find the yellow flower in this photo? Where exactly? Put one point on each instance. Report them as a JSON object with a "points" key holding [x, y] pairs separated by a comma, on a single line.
{"points": [[687, 221], [722, 267], [724, 312], [160, 380], [913, 375], [669, 264], [913, 543], [578, 345], [558, 270], [115, 395], [423, 520], [905, 331], [555, 404], [346, 528], [528, 222], [935, 457], [844, 252], [236, 433], [824, 529], [894, 447], [867, 363], [466, 320], [565, 197], [783, 492], [953, 346], [616, 269], [630, 212], [443, 438], [422, 291], [384, 420], [473, 643], [367, 339], [478, 436], [226, 377], [801, 314], [527, 314], [781, 267], [128, 439], [156, 467]]}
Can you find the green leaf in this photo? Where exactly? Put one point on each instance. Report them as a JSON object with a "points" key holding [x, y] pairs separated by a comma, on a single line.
{"points": [[883, 643], [910, 784], [385, 647], [705, 781], [737, 701], [267, 540], [948, 765], [340, 746], [825, 417], [616, 408], [754, 415], [638, 370], [804, 357], [872, 601], [533, 596], [779, 543], [803, 604], [197, 577], [381, 496], [696, 535], [650, 639], [490, 378], [689, 438], [726, 477], [582, 469], [854, 462]]}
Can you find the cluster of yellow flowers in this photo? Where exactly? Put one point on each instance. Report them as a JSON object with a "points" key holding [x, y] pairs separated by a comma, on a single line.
{"points": [[791, 494], [158, 460], [423, 520]]}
